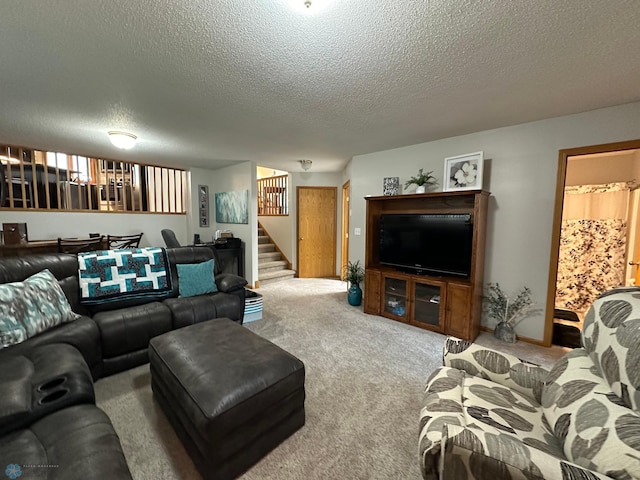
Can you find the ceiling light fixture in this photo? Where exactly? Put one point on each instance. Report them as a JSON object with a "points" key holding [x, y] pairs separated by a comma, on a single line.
{"points": [[308, 7], [122, 140], [305, 164]]}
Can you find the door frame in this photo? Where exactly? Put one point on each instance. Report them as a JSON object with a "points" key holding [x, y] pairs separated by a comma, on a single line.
{"points": [[563, 156], [344, 234], [335, 223]]}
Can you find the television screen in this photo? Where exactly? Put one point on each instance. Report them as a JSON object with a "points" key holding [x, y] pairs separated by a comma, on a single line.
{"points": [[432, 244]]}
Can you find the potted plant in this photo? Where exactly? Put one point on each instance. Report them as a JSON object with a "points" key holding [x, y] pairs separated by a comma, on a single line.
{"points": [[422, 181], [506, 311], [354, 274]]}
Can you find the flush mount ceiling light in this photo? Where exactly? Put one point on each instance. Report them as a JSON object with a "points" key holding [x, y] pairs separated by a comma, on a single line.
{"points": [[308, 6], [305, 164], [122, 140]]}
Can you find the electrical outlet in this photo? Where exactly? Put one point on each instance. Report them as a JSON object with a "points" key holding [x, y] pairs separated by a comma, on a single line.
{"points": [[357, 231]]}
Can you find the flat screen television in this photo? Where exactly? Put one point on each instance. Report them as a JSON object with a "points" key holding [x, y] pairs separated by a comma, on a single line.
{"points": [[428, 244]]}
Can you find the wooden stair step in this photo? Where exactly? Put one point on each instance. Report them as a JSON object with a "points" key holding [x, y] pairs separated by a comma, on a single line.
{"points": [[276, 276], [268, 257], [271, 266], [266, 247]]}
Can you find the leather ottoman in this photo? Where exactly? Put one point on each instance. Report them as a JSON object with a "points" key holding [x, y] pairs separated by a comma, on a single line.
{"points": [[231, 395]]}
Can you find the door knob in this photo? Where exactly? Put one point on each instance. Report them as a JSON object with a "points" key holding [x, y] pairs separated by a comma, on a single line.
{"points": [[301, 238]]}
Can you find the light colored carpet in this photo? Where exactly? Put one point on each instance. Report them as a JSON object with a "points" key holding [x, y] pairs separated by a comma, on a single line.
{"points": [[364, 380]]}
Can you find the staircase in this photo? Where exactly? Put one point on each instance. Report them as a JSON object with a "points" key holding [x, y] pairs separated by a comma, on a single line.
{"points": [[271, 266]]}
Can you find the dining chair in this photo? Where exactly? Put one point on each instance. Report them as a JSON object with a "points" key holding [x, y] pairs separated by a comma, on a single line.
{"points": [[124, 241], [15, 185], [77, 245], [170, 238]]}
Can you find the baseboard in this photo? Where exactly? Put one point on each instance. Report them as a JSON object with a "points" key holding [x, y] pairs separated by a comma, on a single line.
{"points": [[533, 341]]}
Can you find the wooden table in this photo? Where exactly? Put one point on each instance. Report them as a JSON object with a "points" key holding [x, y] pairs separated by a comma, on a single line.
{"points": [[34, 247]]}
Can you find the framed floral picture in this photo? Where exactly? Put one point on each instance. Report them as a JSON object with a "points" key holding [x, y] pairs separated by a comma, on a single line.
{"points": [[463, 172]]}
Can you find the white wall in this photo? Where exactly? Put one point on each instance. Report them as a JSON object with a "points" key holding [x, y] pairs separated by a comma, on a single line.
{"points": [[236, 178], [43, 225], [520, 172], [605, 168], [280, 228], [200, 176]]}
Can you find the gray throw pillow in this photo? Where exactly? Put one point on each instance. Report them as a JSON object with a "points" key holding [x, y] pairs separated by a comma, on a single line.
{"points": [[31, 307]]}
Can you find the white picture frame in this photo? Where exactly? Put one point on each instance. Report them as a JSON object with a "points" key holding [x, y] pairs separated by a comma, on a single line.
{"points": [[463, 172]]}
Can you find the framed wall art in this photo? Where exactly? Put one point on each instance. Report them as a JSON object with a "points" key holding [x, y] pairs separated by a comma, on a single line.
{"points": [[203, 202], [232, 207], [463, 172]]}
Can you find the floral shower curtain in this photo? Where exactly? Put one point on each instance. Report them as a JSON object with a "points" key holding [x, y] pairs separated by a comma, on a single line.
{"points": [[592, 243]]}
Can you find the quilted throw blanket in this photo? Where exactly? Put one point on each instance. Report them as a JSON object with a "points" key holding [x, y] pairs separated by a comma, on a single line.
{"points": [[109, 274]]}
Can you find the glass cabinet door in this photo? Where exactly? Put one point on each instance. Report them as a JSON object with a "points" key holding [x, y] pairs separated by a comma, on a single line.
{"points": [[426, 304], [395, 297]]}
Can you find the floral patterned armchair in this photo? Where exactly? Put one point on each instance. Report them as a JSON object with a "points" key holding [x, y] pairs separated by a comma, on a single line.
{"points": [[489, 415]]}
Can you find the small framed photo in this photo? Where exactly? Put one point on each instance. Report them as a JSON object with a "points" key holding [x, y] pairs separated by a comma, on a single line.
{"points": [[463, 172], [203, 194], [391, 186]]}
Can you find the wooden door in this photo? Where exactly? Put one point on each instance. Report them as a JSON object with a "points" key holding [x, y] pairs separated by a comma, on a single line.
{"points": [[344, 236], [632, 271], [317, 207]]}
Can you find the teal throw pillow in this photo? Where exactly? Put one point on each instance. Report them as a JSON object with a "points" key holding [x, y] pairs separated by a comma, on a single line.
{"points": [[31, 307], [196, 278]]}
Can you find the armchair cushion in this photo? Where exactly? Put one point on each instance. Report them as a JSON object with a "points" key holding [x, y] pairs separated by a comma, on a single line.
{"points": [[453, 397], [504, 369], [479, 455]]}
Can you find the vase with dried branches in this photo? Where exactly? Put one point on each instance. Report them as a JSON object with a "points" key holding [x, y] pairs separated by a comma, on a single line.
{"points": [[506, 311]]}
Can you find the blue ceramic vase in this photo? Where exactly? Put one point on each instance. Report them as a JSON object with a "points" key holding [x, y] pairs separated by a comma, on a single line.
{"points": [[354, 295]]}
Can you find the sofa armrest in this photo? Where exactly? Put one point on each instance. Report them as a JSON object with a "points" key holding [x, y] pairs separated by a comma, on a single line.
{"points": [[228, 282], [442, 405], [502, 368], [478, 455]]}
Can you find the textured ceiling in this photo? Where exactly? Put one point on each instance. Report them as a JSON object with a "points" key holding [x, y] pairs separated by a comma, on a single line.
{"points": [[213, 82]]}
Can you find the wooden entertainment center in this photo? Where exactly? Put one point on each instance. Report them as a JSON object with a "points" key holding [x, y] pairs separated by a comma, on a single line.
{"points": [[449, 305]]}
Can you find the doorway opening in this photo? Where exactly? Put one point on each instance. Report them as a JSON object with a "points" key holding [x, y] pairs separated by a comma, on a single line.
{"points": [[594, 235]]}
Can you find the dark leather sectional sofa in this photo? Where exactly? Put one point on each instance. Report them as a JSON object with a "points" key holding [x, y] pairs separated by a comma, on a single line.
{"points": [[47, 401]]}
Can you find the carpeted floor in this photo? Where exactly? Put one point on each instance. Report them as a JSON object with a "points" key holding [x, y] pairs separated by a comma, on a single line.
{"points": [[364, 386]]}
